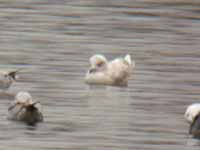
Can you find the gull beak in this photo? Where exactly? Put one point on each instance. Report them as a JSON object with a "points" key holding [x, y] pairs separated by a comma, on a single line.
{"points": [[12, 106], [92, 70]]}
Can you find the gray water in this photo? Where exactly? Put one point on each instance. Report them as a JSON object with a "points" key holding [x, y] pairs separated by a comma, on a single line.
{"points": [[52, 41]]}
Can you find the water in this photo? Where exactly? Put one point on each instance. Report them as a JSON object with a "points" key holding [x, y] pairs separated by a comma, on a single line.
{"points": [[53, 40]]}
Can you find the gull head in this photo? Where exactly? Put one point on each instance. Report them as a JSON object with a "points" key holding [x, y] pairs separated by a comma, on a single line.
{"points": [[192, 112], [23, 98], [97, 62]]}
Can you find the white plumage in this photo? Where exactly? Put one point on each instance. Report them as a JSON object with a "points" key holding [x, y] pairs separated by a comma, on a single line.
{"points": [[192, 111], [115, 72]]}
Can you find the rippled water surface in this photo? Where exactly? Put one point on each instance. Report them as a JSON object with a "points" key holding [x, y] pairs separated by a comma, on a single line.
{"points": [[53, 40]]}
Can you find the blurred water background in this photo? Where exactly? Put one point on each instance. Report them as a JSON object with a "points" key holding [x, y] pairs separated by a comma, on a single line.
{"points": [[53, 40]]}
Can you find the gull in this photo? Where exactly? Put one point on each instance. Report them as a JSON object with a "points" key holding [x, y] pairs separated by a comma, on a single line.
{"points": [[115, 72], [192, 115], [24, 109], [7, 78]]}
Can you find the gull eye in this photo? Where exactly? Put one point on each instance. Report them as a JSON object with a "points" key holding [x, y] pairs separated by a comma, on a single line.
{"points": [[100, 64], [18, 103]]}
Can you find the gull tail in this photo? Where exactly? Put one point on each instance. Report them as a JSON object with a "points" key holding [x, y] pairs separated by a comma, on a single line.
{"points": [[127, 58], [13, 73]]}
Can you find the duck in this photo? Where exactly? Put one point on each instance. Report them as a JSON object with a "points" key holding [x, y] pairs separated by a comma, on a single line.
{"points": [[7, 78], [104, 72], [192, 116], [24, 109]]}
